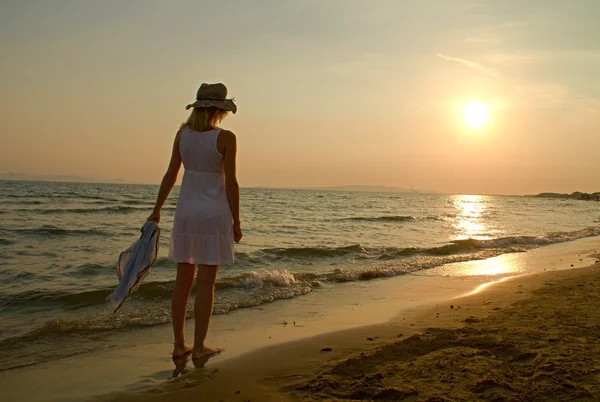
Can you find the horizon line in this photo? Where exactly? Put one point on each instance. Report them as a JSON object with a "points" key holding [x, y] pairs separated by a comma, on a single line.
{"points": [[341, 188]]}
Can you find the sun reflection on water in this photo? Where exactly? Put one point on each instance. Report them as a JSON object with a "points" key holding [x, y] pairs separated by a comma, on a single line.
{"points": [[492, 266], [499, 266], [469, 218]]}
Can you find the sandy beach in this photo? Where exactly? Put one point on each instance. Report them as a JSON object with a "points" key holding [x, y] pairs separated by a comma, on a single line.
{"points": [[540, 348], [531, 337]]}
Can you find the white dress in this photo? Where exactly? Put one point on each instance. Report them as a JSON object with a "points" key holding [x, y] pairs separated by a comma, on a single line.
{"points": [[203, 225]]}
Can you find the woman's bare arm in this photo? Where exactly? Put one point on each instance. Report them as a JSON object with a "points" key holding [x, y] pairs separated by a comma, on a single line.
{"points": [[232, 186], [168, 180]]}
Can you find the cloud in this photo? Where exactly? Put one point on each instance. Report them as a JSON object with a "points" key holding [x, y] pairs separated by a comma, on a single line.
{"points": [[471, 64]]}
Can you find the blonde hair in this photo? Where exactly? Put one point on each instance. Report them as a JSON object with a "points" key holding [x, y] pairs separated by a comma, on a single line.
{"points": [[205, 118]]}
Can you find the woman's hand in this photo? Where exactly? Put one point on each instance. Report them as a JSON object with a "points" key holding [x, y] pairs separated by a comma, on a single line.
{"points": [[154, 216], [237, 232]]}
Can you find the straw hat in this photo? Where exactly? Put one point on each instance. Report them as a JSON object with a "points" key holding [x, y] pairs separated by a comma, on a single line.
{"points": [[213, 95]]}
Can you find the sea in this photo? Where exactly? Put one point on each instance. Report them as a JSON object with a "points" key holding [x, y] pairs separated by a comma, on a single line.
{"points": [[59, 243]]}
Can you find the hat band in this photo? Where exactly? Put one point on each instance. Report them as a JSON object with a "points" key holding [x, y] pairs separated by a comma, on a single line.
{"points": [[212, 99]]}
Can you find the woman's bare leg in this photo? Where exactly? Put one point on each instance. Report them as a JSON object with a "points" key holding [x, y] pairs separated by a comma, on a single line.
{"points": [[205, 295], [179, 303]]}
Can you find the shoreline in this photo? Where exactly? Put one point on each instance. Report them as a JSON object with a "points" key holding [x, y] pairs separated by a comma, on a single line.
{"points": [[286, 367], [301, 371], [344, 321]]}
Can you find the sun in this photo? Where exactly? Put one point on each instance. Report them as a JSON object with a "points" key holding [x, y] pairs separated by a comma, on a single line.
{"points": [[476, 114]]}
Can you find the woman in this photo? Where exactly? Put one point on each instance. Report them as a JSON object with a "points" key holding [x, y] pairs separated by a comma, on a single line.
{"points": [[207, 219]]}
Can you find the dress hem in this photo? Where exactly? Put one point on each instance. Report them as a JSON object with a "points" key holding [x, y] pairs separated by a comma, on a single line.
{"points": [[202, 249]]}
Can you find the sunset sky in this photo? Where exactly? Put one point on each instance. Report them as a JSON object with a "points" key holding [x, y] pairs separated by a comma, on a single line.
{"points": [[329, 92]]}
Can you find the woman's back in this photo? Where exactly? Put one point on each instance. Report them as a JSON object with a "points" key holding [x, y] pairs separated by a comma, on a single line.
{"points": [[199, 151]]}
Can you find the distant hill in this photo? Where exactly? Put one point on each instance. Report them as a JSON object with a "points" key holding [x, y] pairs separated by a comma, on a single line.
{"points": [[577, 195], [59, 178]]}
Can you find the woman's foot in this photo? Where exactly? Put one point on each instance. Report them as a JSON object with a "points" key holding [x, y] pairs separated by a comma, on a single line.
{"points": [[180, 365], [205, 352], [181, 350]]}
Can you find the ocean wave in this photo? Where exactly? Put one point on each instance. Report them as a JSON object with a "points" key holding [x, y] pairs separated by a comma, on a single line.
{"points": [[147, 291], [164, 262], [54, 231], [260, 296], [258, 279], [97, 202], [395, 218], [22, 202], [90, 196], [362, 252], [92, 269], [6, 242], [123, 209], [69, 195], [307, 252], [117, 209], [438, 218], [391, 218], [452, 247], [395, 259], [75, 194], [137, 202], [66, 299], [87, 325]]}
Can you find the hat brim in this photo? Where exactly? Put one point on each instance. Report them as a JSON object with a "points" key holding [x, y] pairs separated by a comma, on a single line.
{"points": [[226, 104]]}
